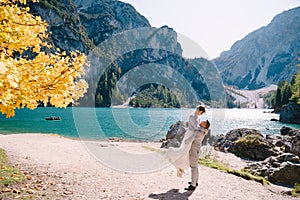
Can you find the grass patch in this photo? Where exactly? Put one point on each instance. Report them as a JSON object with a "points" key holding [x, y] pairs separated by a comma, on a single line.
{"points": [[8, 174], [154, 149], [250, 140], [296, 191], [213, 163], [3, 157]]}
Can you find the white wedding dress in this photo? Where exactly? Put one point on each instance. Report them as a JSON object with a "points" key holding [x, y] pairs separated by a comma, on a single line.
{"points": [[179, 157]]}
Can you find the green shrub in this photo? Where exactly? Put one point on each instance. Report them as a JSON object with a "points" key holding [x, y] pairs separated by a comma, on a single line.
{"points": [[296, 191]]}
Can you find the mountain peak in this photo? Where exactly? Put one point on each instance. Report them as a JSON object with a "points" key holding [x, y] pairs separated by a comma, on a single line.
{"points": [[266, 56]]}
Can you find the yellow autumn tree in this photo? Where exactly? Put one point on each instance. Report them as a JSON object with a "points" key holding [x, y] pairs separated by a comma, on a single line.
{"points": [[45, 77]]}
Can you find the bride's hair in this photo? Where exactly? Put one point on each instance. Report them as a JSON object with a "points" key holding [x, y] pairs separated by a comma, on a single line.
{"points": [[201, 108]]}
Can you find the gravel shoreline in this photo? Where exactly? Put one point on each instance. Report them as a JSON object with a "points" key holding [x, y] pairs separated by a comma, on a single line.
{"points": [[62, 168]]}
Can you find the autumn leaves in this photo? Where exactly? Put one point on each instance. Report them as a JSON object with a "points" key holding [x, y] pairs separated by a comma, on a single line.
{"points": [[29, 73]]}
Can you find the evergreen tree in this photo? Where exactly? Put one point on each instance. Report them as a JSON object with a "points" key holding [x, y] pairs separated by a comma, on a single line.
{"points": [[106, 86], [155, 96], [296, 89], [277, 100], [286, 92]]}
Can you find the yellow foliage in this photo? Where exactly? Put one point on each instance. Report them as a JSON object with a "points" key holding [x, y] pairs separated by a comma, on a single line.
{"points": [[48, 77]]}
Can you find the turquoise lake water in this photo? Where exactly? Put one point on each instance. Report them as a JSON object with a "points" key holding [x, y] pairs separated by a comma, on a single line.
{"points": [[149, 124]]}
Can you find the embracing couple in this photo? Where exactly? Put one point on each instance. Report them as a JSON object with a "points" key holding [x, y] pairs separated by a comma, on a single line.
{"points": [[187, 155]]}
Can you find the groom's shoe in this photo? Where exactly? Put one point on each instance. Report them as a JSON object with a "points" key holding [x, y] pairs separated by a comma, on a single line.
{"points": [[190, 188], [191, 183]]}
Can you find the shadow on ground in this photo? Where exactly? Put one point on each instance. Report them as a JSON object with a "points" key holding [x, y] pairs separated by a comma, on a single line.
{"points": [[171, 195]]}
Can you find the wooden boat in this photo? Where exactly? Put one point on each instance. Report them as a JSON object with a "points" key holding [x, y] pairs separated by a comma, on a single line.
{"points": [[52, 118]]}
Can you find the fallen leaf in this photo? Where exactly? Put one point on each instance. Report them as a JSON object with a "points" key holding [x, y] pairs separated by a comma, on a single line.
{"points": [[6, 190]]}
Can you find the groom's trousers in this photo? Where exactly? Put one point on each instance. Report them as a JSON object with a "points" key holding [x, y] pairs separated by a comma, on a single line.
{"points": [[194, 157]]}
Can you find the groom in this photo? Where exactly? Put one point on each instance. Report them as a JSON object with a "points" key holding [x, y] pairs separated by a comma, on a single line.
{"points": [[200, 131]]}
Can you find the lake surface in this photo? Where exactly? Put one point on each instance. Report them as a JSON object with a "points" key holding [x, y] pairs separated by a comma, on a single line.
{"points": [[149, 124]]}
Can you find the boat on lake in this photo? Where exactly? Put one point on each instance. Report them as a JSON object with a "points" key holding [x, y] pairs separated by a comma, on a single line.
{"points": [[52, 118]]}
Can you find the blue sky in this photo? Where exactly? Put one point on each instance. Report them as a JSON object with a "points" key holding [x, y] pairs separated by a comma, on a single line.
{"points": [[213, 24]]}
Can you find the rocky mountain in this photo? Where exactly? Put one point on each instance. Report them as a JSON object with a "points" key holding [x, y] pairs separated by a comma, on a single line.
{"points": [[82, 25], [265, 56], [124, 51]]}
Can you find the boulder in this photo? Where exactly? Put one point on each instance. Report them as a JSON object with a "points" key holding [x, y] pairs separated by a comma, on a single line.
{"points": [[177, 131], [283, 143], [288, 157], [287, 174], [246, 143], [253, 148], [290, 113], [281, 169], [175, 135], [292, 139], [295, 148], [285, 130], [274, 157], [274, 138]]}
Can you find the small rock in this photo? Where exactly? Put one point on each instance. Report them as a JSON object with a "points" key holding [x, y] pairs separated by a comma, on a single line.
{"points": [[16, 191], [288, 131], [68, 192], [279, 143], [51, 183], [115, 139], [30, 191], [276, 164], [288, 157], [38, 181]]}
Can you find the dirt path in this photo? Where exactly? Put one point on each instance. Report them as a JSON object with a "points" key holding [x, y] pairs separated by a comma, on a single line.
{"points": [[75, 174]]}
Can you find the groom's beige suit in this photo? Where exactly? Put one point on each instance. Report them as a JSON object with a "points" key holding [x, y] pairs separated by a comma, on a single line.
{"points": [[194, 126]]}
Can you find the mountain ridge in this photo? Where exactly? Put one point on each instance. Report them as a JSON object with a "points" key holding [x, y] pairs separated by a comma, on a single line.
{"points": [[265, 56], [89, 26], [83, 25]]}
